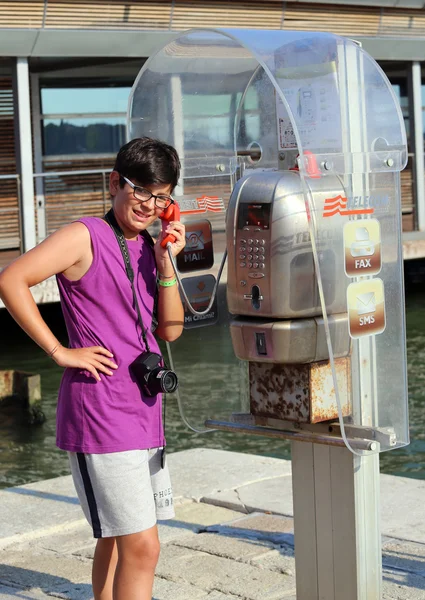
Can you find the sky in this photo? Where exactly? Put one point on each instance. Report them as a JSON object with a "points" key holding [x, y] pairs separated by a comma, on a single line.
{"points": [[84, 100]]}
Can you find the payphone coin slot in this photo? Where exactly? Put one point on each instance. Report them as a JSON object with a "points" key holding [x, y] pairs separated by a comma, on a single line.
{"points": [[260, 343], [256, 297]]}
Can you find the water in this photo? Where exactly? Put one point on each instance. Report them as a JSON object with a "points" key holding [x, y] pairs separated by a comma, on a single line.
{"points": [[29, 454]]}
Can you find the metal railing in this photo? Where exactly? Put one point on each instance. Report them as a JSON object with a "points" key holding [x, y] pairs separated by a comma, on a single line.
{"points": [[62, 202], [53, 211]]}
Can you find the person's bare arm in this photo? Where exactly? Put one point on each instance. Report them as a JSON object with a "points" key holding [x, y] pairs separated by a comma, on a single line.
{"points": [[170, 308], [66, 250]]}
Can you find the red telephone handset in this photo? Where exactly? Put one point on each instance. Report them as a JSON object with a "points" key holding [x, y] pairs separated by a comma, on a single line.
{"points": [[172, 213]]}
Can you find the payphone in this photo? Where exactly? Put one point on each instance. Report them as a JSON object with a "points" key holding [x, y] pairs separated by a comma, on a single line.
{"points": [[291, 146], [272, 292]]}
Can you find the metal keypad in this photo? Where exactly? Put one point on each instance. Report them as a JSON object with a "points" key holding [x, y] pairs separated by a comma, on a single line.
{"points": [[252, 263]]}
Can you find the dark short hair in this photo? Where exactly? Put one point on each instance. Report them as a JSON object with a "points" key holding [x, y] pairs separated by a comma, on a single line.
{"points": [[148, 161]]}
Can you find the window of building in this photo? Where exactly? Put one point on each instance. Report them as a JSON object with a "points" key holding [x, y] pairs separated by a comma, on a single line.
{"points": [[83, 120], [400, 90]]}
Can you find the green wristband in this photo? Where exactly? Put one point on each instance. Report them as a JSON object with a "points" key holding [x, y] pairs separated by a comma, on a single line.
{"points": [[166, 283]]}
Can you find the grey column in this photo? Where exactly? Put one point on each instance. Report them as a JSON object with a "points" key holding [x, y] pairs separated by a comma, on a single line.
{"points": [[23, 148], [336, 523], [38, 157], [418, 143]]}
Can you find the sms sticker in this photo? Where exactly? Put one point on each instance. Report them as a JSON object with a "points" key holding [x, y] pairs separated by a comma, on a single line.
{"points": [[366, 308]]}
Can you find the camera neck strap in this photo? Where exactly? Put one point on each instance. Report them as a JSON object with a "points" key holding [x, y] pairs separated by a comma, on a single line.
{"points": [[112, 222]]}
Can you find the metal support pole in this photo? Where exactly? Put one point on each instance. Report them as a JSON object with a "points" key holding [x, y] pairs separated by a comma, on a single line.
{"points": [[38, 158], [418, 143], [178, 127], [336, 523], [335, 492], [23, 145]]}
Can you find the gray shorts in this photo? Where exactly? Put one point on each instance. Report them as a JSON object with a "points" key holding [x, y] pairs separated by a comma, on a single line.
{"points": [[122, 492]]}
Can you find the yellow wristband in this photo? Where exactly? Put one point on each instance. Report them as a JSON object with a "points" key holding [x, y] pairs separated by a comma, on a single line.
{"points": [[166, 283]]}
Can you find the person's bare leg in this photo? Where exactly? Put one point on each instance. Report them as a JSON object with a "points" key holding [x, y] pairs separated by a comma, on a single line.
{"points": [[138, 555], [103, 571]]}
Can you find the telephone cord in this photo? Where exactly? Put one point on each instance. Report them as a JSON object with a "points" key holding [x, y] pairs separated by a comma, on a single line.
{"points": [[186, 299]]}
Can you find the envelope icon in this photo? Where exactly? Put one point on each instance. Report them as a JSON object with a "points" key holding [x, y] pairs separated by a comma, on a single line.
{"points": [[366, 303]]}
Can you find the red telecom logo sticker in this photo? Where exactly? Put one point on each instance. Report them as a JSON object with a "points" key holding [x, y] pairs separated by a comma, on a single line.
{"points": [[338, 205]]}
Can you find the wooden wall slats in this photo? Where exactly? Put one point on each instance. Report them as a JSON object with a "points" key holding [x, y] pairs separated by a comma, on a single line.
{"points": [[150, 14], [9, 213], [14, 13], [256, 15], [184, 14], [404, 23]]}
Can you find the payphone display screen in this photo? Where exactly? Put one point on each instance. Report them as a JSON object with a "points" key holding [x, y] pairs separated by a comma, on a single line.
{"points": [[254, 215]]}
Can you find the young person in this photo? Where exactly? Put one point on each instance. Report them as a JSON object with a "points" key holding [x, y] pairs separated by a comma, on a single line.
{"points": [[111, 429]]}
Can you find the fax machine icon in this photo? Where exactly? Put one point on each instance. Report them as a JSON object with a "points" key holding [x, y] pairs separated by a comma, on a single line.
{"points": [[363, 245], [366, 303]]}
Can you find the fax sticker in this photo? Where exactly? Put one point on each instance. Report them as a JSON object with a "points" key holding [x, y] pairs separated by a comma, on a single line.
{"points": [[366, 308], [362, 247]]}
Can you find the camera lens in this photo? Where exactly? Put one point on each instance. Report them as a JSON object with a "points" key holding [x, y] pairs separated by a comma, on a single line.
{"points": [[169, 382]]}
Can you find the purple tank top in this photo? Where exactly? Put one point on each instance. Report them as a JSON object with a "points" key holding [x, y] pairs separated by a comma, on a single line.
{"points": [[110, 415]]}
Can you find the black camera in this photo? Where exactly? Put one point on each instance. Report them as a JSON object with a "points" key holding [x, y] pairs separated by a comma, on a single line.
{"points": [[152, 376]]}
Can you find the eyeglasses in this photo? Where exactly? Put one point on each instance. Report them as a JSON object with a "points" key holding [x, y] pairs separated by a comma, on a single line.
{"points": [[143, 195]]}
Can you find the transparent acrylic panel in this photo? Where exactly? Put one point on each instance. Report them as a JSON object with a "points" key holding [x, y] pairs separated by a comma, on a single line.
{"points": [[379, 346], [312, 73], [318, 103], [188, 94], [212, 381]]}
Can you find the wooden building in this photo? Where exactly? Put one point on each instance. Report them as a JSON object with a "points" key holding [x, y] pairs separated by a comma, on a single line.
{"points": [[66, 68]]}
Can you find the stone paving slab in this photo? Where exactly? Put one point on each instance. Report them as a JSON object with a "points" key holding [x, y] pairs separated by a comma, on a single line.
{"points": [[281, 561], [209, 572], [201, 471], [68, 591], [193, 517], [8, 593], [38, 509], [272, 528], [76, 540], [251, 497], [404, 555], [219, 596], [190, 519], [46, 570], [398, 585], [226, 547], [165, 590], [403, 519]]}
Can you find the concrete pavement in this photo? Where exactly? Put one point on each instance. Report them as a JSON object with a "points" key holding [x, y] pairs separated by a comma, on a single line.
{"points": [[232, 537]]}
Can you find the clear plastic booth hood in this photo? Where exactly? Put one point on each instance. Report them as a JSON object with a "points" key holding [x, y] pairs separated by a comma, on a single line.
{"points": [[291, 146]]}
